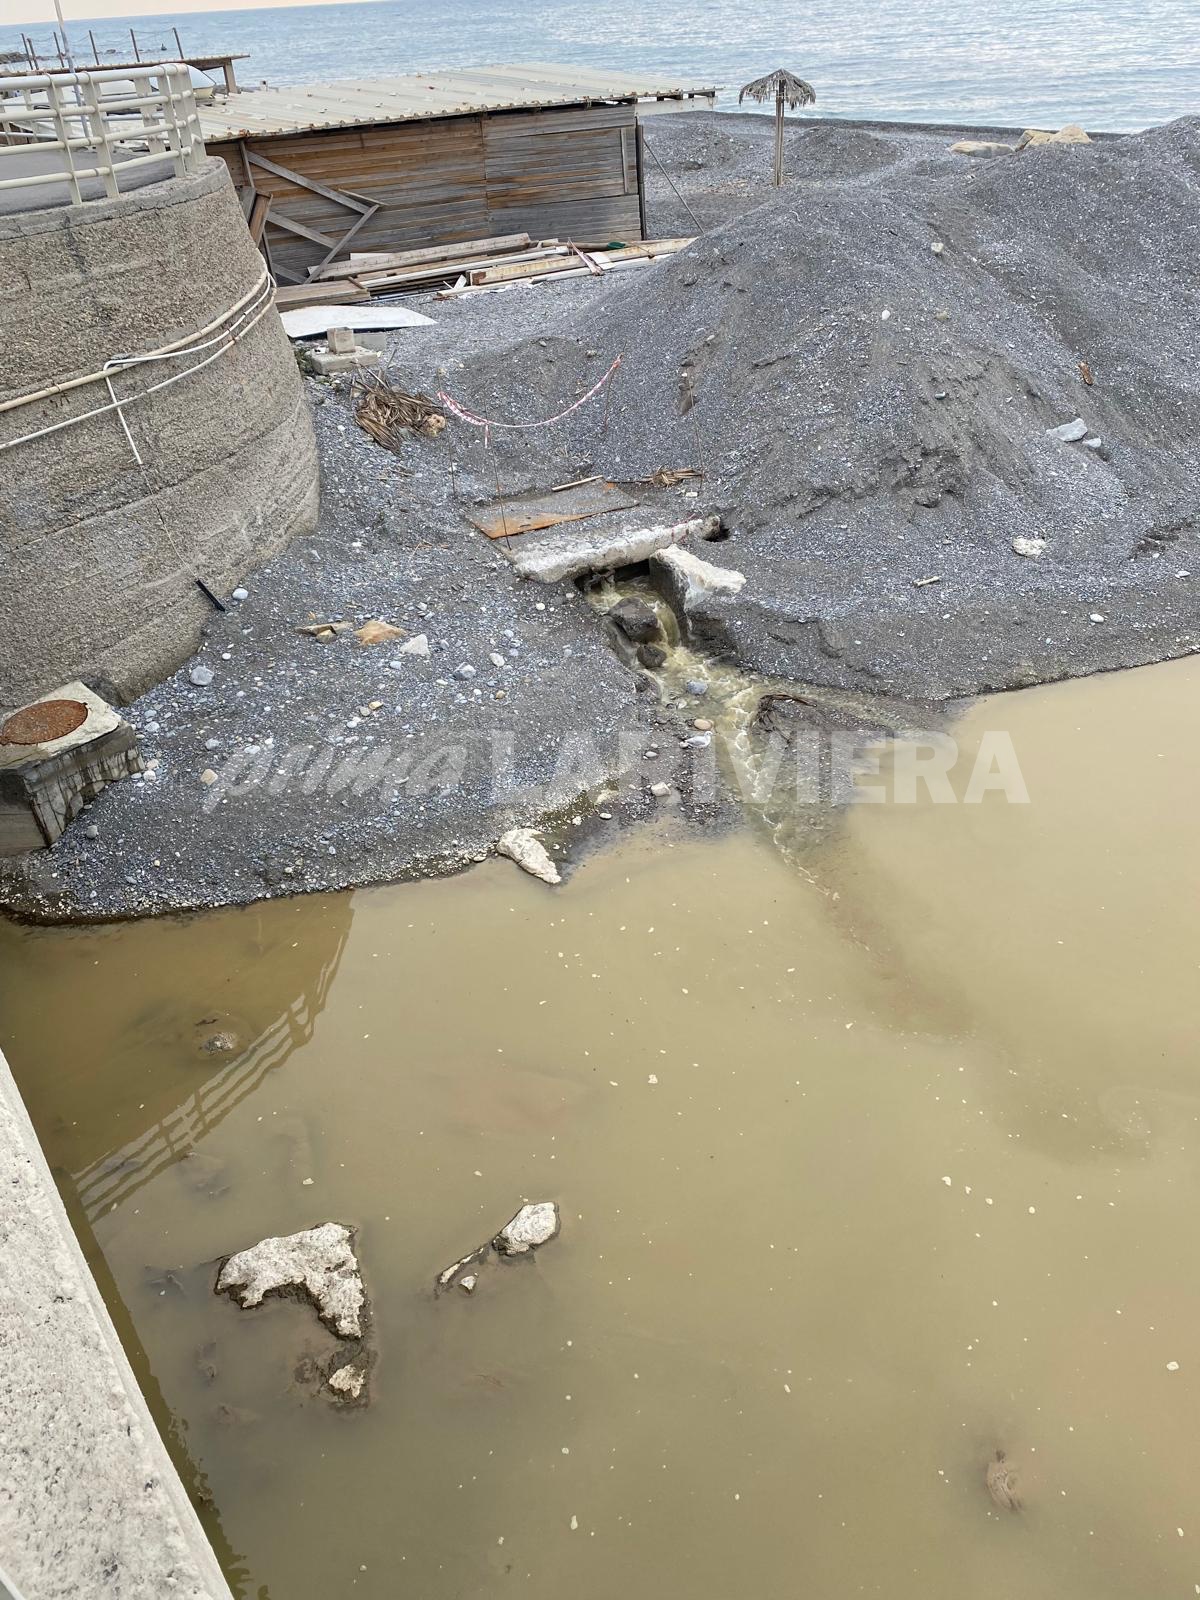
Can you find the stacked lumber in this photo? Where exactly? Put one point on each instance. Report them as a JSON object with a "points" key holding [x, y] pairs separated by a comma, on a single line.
{"points": [[473, 266]]}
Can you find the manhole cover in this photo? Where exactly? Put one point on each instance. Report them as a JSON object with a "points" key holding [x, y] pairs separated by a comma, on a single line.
{"points": [[47, 720]]}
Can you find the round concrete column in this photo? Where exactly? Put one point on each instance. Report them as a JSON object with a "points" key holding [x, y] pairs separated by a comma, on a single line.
{"points": [[99, 554]]}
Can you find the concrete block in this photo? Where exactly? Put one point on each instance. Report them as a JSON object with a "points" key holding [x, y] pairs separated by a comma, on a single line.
{"points": [[341, 341], [326, 363], [56, 753]]}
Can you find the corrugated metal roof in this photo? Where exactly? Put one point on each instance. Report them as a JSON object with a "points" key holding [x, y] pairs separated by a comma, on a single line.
{"points": [[259, 113]]}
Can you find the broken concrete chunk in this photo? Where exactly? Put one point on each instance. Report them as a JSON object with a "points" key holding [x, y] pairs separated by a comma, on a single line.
{"points": [[686, 581], [347, 1382], [1070, 432], [1031, 548], [535, 1224], [524, 847], [318, 1264], [201, 676], [418, 645], [569, 552]]}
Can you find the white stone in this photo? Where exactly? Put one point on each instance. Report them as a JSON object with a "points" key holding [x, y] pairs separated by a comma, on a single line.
{"points": [[571, 550], [319, 1262], [524, 847], [418, 645], [981, 147], [1070, 432], [535, 1224], [660, 791], [348, 1381], [201, 676], [241, 594], [1032, 548]]}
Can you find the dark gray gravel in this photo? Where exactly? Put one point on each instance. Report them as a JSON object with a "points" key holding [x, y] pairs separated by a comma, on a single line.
{"points": [[869, 413]]}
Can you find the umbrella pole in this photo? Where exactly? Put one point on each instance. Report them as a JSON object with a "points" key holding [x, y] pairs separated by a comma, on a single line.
{"points": [[778, 137]]}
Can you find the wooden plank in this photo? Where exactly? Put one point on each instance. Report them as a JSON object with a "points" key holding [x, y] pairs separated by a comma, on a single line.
{"points": [[339, 197], [260, 205], [540, 260], [383, 261], [602, 260], [316, 294]]}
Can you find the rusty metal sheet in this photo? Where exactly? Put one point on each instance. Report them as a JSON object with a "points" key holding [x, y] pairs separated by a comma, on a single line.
{"points": [[505, 518]]}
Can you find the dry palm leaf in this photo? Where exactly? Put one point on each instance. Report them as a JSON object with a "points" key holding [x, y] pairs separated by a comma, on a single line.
{"points": [[388, 413]]}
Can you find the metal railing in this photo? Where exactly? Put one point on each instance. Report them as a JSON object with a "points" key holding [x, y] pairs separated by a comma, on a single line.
{"points": [[100, 125]]}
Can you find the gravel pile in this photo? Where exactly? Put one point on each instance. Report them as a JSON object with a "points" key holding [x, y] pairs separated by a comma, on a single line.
{"points": [[870, 369]]}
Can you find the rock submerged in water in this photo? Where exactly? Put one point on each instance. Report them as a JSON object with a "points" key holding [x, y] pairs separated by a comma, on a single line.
{"points": [[347, 1382], [318, 1264], [524, 847], [636, 619], [534, 1225], [1002, 1483]]}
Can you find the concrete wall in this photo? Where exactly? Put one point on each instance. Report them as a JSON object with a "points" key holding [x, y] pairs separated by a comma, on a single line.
{"points": [[90, 1504], [98, 555]]}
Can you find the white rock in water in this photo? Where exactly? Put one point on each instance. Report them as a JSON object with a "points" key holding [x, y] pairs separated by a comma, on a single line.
{"points": [[1070, 432], [524, 847], [1032, 548], [533, 1225], [348, 1381], [319, 1263]]}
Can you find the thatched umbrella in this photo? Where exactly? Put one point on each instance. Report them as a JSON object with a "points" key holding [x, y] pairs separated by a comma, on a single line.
{"points": [[784, 89]]}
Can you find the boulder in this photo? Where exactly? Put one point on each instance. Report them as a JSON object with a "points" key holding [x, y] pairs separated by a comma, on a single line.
{"points": [[636, 620], [1071, 133], [318, 1264]]}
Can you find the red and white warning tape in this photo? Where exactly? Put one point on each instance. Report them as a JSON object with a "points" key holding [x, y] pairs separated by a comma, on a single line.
{"points": [[487, 424]]}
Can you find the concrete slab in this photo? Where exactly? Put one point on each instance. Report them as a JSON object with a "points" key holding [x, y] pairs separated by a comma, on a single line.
{"points": [[91, 1503]]}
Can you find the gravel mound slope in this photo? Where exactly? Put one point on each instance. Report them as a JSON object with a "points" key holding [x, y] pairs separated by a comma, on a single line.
{"points": [[871, 410]]}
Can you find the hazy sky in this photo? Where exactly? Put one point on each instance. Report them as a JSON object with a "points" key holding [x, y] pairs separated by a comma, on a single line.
{"points": [[42, 11]]}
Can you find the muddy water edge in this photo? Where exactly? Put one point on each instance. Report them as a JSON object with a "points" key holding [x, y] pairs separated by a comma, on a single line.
{"points": [[866, 1171]]}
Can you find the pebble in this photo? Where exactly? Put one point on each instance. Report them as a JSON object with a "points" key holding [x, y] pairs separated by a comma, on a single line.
{"points": [[208, 776], [702, 725], [660, 790], [497, 659], [91, 831], [241, 594], [212, 744], [1096, 616], [697, 687], [464, 671], [201, 676]]}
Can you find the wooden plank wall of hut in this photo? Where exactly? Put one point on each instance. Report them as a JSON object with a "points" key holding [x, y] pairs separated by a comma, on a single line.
{"points": [[566, 173]]}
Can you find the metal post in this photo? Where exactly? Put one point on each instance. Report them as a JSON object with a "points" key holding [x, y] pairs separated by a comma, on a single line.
{"points": [[58, 11], [61, 128], [178, 45], [133, 37], [95, 51]]}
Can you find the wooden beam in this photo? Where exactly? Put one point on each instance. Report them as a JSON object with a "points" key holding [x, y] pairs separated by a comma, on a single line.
{"points": [[257, 220], [338, 196], [384, 262]]}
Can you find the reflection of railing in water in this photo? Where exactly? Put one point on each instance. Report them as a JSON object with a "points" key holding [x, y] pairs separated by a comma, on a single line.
{"points": [[113, 1178]]}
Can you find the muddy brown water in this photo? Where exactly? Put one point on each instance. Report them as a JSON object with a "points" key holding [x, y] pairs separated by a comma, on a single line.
{"points": [[864, 1174]]}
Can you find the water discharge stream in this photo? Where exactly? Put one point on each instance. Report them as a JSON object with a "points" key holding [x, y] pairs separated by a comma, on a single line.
{"points": [[861, 1179]]}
